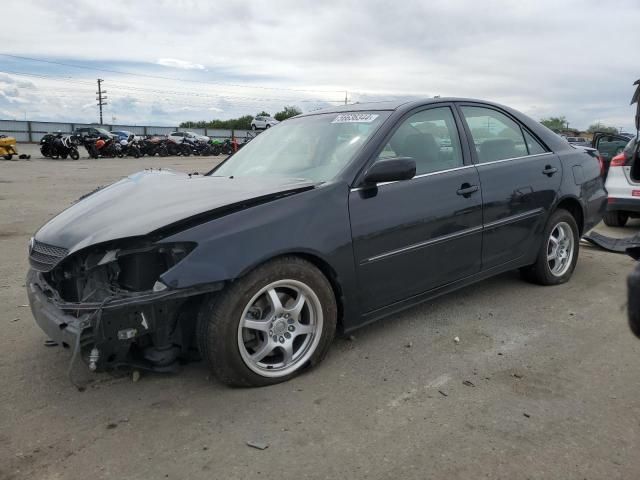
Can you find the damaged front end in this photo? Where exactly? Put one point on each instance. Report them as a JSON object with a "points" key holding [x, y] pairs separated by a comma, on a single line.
{"points": [[109, 305]]}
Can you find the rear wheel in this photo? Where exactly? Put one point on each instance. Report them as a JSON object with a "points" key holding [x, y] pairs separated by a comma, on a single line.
{"points": [[267, 326], [8, 157], [558, 253], [74, 154], [616, 218]]}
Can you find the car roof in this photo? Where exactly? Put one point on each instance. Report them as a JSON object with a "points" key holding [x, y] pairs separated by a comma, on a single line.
{"points": [[390, 105]]}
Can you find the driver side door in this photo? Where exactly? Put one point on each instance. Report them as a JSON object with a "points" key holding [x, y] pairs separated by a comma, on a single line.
{"points": [[415, 235]]}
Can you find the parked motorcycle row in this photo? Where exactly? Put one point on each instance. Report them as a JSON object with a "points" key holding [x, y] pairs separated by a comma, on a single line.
{"points": [[66, 146]]}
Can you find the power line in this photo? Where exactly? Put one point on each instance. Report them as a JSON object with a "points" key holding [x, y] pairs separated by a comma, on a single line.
{"points": [[121, 72], [128, 88]]}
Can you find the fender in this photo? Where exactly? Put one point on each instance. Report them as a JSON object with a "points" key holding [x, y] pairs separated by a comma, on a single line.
{"points": [[312, 223]]}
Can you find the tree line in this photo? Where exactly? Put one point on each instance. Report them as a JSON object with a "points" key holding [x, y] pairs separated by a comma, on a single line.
{"points": [[560, 123], [242, 123]]}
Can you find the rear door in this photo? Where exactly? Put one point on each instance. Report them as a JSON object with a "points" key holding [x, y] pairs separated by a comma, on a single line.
{"points": [[520, 179], [415, 235], [609, 145]]}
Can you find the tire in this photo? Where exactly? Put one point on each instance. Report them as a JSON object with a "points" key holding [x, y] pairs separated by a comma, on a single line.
{"points": [[253, 127], [554, 271], [268, 126], [7, 157], [74, 154], [616, 218], [216, 150], [63, 156], [227, 346]]}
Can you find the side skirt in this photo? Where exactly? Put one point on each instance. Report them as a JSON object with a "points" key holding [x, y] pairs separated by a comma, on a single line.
{"points": [[396, 307]]}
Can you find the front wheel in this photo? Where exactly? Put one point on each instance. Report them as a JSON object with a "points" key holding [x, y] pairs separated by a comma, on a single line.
{"points": [[74, 154], [253, 127], [7, 157], [615, 218], [267, 326], [558, 254]]}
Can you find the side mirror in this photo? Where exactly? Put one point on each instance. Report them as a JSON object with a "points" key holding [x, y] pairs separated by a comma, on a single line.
{"points": [[391, 170]]}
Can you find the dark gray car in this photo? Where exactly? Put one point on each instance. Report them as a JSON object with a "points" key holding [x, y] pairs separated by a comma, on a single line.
{"points": [[327, 221]]}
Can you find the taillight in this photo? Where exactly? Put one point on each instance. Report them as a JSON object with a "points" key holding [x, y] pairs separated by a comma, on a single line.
{"points": [[619, 160]]}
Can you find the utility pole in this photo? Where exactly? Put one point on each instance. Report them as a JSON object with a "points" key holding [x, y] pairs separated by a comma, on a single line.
{"points": [[345, 97], [101, 98]]}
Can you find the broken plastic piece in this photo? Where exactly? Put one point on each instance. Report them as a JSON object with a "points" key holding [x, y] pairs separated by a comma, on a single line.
{"points": [[620, 245]]}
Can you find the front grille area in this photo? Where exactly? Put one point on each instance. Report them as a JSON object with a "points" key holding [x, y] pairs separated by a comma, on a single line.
{"points": [[44, 257]]}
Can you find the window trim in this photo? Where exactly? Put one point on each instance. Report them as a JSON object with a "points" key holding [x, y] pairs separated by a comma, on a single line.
{"points": [[462, 138], [523, 128], [428, 174]]}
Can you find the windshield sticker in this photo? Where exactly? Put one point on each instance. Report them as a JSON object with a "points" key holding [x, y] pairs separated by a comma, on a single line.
{"points": [[355, 118]]}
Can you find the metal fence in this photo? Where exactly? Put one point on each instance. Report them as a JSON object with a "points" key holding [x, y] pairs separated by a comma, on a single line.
{"points": [[26, 131]]}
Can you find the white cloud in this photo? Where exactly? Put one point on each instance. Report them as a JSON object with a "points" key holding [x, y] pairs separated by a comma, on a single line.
{"points": [[183, 64]]}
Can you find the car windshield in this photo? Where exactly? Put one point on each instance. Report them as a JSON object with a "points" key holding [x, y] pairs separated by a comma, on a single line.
{"points": [[102, 131], [315, 147]]}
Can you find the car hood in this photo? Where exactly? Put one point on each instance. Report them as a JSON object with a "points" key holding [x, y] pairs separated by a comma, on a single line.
{"points": [[153, 199]]}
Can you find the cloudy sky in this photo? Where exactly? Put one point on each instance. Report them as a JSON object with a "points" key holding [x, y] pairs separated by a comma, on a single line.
{"points": [[164, 62]]}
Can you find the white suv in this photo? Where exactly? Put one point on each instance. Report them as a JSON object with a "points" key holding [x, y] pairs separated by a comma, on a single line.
{"points": [[623, 185], [262, 121]]}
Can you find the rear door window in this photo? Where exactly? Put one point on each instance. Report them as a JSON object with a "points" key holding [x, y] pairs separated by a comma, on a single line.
{"points": [[495, 136], [533, 146]]}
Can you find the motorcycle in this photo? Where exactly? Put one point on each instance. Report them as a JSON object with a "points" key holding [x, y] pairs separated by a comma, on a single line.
{"points": [[59, 146], [99, 147], [221, 146], [184, 147], [202, 148], [129, 149], [154, 146]]}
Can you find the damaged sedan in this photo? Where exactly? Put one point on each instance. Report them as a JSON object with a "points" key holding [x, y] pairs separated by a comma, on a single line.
{"points": [[324, 223]]}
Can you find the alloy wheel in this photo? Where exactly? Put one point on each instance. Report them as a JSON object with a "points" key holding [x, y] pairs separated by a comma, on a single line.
{"points": [[560, 249], [280, 328]]}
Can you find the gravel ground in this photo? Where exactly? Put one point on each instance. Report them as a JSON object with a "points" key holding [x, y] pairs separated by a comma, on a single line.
{"points": [[542, 384]]}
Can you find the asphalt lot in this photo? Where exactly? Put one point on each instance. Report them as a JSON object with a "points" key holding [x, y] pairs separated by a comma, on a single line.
{"points": [[552, 372]]}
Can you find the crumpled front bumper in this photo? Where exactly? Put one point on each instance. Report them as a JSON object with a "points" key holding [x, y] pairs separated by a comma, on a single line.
{"points": [[112, 326], [58, 325]]}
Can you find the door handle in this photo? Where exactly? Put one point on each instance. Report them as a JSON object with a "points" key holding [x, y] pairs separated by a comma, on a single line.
{"points": [[466, 190], [549, 170]]}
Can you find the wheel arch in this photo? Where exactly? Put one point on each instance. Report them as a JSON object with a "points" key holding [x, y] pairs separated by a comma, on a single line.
{"points": [[575, 208]]}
